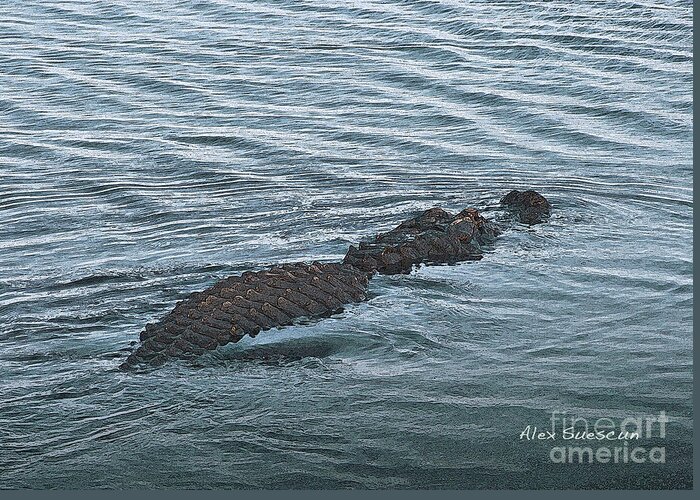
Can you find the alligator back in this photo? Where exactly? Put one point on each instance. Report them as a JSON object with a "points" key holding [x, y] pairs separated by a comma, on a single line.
{"points": [[248, 304]]}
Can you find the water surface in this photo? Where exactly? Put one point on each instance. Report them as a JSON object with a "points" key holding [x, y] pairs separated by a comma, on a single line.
{"points": [[148, 149]]}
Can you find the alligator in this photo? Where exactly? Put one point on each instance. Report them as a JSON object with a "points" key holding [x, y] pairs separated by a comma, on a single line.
{"points": [[257, 301]]}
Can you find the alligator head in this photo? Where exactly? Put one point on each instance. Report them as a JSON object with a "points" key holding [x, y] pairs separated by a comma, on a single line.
{"points": [[433, 237]]}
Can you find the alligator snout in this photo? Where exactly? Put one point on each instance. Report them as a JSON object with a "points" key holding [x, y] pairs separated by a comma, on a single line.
{"points": [[530, 207]]}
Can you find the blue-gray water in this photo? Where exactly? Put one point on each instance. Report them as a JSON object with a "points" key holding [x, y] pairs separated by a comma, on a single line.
{"points": [[149, 148]]}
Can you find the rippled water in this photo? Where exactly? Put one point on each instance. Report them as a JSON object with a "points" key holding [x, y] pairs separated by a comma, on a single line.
{"points": [[149, 148]]}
